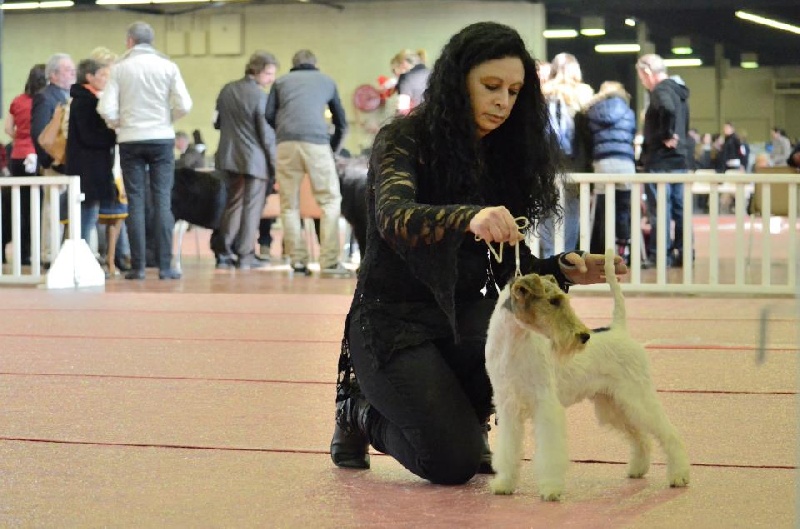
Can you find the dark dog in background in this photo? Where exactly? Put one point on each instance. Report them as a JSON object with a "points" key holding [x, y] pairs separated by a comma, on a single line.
{"points": [[353, 184]]}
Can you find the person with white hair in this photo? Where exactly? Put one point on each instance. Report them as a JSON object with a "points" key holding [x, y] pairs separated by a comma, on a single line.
{"points": [[666, 125], [60, 73], [143, 98]]}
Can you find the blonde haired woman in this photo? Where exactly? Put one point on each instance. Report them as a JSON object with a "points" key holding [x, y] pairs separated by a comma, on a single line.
{"points": [[112, 242], [412, 78], [566, 81], [567, 96]]}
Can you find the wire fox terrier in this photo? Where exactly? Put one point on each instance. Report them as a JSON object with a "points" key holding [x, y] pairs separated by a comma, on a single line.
{"points": [[541, 359]]}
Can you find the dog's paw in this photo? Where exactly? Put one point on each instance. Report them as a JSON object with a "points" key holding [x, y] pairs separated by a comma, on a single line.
{"points": [[551, 490], [502, 485], [637, 469], [679, 478], [551, 495]]}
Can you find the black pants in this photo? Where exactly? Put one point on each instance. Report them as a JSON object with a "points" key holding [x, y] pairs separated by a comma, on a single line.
{"points": [[17, 168], [430, 401], [622, 226]]}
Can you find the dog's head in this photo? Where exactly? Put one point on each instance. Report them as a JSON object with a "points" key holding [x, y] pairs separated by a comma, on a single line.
{"points": [[538, 303]]}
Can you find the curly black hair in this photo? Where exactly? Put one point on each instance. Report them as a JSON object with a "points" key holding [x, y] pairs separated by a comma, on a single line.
{"points": [[515, 165]]}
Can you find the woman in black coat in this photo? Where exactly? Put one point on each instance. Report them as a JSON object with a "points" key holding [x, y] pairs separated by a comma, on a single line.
{"points": [[90, 143]]}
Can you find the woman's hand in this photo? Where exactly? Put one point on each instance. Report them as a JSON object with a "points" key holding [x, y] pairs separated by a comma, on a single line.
{"points": [[495, 224], [589, 268]]}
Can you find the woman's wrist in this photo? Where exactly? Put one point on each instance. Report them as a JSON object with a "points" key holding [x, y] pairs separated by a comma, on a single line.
{"points": [[565, 266]]}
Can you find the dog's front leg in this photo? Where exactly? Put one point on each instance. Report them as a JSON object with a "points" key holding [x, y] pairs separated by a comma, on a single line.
{"points": [[507, 453], [550, 459]]}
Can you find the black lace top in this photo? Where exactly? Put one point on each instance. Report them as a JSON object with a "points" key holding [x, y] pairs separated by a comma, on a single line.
{"points": [[420, 260]]}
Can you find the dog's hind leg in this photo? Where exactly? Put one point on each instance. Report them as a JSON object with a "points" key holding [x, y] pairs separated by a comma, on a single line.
{"points": [[551, 458], [608, 413], [507, 454], [644, 411]]}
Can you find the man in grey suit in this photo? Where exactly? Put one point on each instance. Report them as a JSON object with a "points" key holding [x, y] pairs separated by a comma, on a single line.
{"points": [[247, 153]]}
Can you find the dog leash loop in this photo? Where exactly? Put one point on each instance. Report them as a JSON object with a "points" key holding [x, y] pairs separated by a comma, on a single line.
{"points": [[522, 225]]}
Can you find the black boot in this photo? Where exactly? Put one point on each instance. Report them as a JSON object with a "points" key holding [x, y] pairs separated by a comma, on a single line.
{"points": [[485, 466], [349, 444]]}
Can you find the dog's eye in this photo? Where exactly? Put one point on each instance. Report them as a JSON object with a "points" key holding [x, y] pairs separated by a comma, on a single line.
{"points": [[555, 302]]}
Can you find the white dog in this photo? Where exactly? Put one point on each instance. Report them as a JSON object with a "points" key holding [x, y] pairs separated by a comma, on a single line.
{"points": [[541, 359]]}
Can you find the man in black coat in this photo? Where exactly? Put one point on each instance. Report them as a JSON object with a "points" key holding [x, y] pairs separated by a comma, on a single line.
{"points": [[665, 149]]}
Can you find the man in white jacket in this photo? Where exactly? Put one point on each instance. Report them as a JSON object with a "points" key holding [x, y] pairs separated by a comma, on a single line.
{"points": [[144, 96]]}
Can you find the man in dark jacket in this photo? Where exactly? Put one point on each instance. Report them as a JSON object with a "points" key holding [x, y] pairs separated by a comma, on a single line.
{"points": [[247, 153], [665, 149], [732, 154], [296, 108], [60, 73]]}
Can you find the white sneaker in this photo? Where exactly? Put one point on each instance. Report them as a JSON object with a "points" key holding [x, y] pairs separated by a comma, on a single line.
{"points": [[337, 270]]}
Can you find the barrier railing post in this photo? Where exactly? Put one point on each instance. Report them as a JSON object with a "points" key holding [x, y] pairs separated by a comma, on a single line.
{"points": [[16, 232], [76, 265], [36, 230]]}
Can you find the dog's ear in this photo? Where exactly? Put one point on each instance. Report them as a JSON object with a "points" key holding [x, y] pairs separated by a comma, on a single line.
{"points": [[537, 287], [527, 286]]}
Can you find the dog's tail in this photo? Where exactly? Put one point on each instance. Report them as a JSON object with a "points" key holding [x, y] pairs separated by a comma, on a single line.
{"points": [[619, 318]]}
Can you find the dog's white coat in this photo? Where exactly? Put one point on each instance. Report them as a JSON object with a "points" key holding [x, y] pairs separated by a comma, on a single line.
{"points": [[530, 381]]}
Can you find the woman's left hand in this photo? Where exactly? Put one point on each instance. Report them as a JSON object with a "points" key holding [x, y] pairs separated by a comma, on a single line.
{"points": [[589, 268]]}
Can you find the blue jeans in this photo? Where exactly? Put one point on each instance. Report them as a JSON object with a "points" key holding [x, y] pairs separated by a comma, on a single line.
{"points": [[674, 213], [572, 224], [156, 160], [89, 213]]}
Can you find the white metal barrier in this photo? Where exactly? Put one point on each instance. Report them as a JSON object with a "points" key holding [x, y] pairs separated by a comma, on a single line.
{"points": [[687, 283], [78, 267], [71, 264]]}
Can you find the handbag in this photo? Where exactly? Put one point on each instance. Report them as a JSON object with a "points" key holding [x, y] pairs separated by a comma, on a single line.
{"points": [[53, 139]]}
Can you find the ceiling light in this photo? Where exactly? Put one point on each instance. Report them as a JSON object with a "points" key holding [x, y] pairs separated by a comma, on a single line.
{"points": [[617, 48], [593, 26], [683, 62], [559, 33], [145, 2], [682, 46], [37, 5], [748, 60], [768, 22], [630, 22], [21, 5], [120, 2]]}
